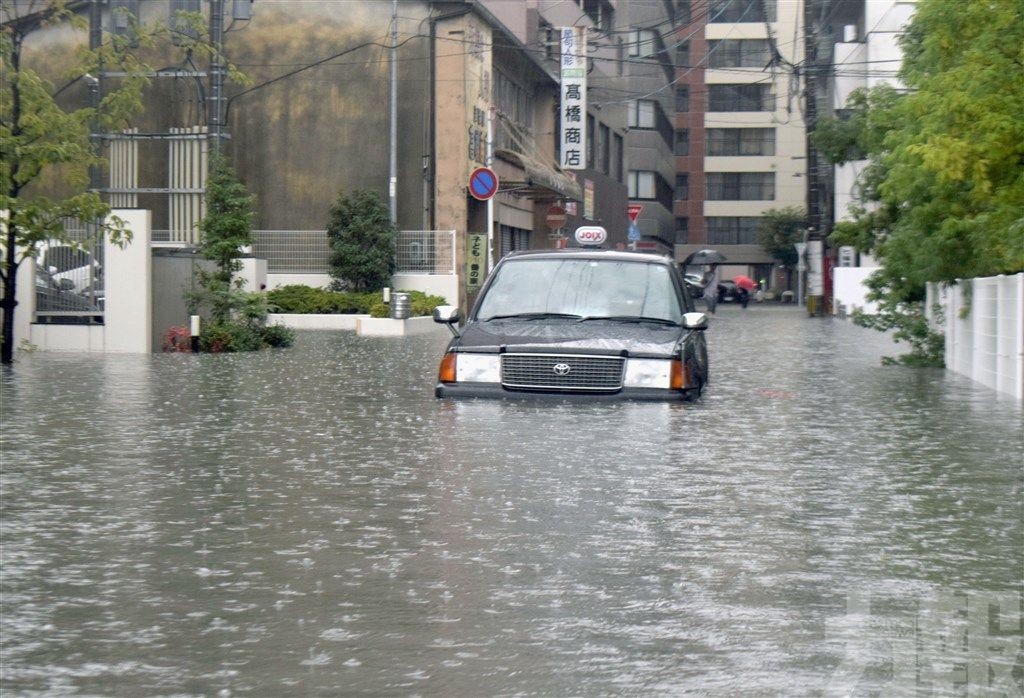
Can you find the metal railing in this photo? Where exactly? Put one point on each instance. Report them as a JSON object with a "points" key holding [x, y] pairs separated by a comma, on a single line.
{"points": [[69, 276], [425, 252], [308, 251], [293, 251]]}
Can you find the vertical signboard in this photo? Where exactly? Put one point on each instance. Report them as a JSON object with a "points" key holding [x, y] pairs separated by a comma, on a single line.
{"points": [[476, 259], [572, 121], [478, 91], [588, 199]]}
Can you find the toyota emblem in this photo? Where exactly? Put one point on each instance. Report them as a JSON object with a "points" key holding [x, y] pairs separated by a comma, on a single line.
{"points": [[561, 369]]}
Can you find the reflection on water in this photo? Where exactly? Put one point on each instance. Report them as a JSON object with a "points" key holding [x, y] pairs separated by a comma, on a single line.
{"points": [[312, 521]]}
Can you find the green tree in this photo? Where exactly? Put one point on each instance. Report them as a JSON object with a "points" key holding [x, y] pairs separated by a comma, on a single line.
{"points": [[362, 240], [944, 189], [946, 179], [42, 141], [225, 230], [780, 229]]}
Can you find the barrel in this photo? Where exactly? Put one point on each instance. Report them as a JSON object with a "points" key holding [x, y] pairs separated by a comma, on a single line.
{"points": [[400, 307]]}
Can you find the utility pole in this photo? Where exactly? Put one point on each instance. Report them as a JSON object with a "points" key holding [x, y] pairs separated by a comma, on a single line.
{"points": [[815, 78], [215, 107], [393, 146]]}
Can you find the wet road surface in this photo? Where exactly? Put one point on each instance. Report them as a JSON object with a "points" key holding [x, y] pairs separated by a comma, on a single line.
{"points": [[312, 521]]}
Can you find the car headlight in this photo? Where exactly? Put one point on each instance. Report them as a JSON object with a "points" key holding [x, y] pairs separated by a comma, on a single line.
{"points": [[476, 368], [652, 373]]}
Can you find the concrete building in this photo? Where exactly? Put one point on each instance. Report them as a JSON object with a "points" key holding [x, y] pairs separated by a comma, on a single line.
{"points": [[645, 49], [477, 85], [741, 145], [866, 54]]}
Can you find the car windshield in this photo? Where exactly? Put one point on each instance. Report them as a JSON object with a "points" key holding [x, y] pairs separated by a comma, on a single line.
{"points": [[581, 288]]}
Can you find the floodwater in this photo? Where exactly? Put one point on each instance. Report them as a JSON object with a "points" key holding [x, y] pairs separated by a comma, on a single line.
{"points": [[311, 521]]}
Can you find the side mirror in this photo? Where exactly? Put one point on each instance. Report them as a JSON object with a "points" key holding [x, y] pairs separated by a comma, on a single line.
{"points": [[695, 321], [448, 315]]}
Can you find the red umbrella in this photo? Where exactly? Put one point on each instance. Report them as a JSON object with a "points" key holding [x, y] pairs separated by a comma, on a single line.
{"points": [[745, 282]]}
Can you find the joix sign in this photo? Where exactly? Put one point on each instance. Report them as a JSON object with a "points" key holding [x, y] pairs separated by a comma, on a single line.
{"points": [[573, 112]]}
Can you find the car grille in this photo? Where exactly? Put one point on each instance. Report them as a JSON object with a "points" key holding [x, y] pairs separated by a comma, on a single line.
{"points": [[562, 372]]}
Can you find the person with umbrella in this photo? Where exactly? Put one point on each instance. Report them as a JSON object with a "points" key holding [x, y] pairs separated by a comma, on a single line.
{"points": [[745, 285], [710, 259]]}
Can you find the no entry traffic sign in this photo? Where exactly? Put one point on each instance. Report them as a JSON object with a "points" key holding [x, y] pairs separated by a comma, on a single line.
{"points": [[555, 217], [483, 183]]}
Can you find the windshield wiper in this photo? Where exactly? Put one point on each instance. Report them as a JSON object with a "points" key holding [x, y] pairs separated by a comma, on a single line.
{"points": [[533, 316], [630, 318]]}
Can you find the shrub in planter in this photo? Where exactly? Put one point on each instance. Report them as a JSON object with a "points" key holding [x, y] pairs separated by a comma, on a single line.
{"points": [[229, 337], [278, 336], [302, 300], [177, 339]]}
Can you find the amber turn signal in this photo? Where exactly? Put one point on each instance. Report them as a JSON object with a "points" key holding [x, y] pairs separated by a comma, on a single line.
{"points": [[677, 378], [446, 372]]}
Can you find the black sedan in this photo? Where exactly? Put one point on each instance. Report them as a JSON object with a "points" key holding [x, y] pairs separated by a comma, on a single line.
{"points": [[593, 323]]}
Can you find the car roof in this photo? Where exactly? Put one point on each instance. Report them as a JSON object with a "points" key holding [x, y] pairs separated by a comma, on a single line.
{"points": [[580, 253]]}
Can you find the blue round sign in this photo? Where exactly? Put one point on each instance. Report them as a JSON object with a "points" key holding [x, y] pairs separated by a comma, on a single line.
{"points": [[483, 183]]}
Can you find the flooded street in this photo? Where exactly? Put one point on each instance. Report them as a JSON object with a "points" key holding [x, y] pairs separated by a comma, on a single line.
{"points": [[311, 521]]}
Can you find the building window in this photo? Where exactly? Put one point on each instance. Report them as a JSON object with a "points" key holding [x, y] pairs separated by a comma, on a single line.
{"points": [[513, 239], [741, 141], [683, 141], [604, 146], [600, 13], [741, 186], [757, 97], [682, 187], [645, 185], [683, 99], [642, 185], [683, 14], [736, 11], [591, 135], [516, 105], [617, 156], [641, 114], [682, 231], [547, 34], [643, 43], [732, 230], [739, 53], [683, 54]]}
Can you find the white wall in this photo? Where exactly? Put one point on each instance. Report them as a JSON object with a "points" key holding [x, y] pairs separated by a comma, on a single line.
{"points": [[314, 280], [128, 282], [128, 312], [253, 274], [445, 285], [849, 292], [984, 330]]}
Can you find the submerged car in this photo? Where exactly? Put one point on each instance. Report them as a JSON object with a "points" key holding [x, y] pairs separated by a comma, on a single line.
{"points": [[603, 324]]}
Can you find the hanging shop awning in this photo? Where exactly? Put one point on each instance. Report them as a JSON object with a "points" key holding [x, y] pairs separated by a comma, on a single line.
{"points": [[524, 176]]}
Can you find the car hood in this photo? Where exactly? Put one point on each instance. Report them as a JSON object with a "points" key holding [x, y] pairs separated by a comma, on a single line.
{"points": [[552, 336]]}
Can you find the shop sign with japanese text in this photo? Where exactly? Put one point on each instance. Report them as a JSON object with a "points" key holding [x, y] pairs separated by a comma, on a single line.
{"points": [[573, 109], [476, 259]]}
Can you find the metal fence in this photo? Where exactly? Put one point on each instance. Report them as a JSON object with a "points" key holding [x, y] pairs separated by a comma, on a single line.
{"points": [[292, 251], [425, 252], [69, 276], [308, 252]]}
